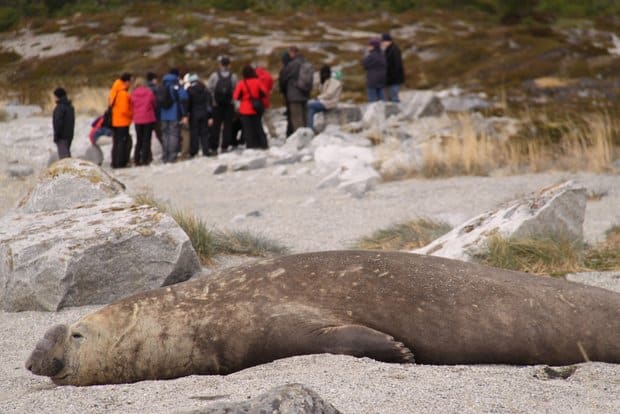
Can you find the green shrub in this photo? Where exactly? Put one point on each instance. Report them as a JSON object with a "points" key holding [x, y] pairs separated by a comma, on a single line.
{"points": [[8, 18]]}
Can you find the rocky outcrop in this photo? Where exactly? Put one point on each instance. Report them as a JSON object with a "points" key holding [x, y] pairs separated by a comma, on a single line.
{"points": [[286, 399], [554, 211], [68, 183], [98, 249]]}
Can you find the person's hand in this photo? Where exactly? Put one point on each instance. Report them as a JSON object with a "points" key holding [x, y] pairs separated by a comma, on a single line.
{"points": [[184, 120], [210, 122]]}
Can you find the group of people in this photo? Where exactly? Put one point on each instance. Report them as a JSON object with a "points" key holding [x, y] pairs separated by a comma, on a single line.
{"points": [[187, 115], [383, 64]]}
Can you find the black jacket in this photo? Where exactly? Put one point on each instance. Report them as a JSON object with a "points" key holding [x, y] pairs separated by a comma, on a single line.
{"points": [[63, 120], [395, 72], [374, 63], [199, 102]]}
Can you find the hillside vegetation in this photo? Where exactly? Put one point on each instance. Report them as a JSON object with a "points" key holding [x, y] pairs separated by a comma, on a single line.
{"points": [[554, 65]]}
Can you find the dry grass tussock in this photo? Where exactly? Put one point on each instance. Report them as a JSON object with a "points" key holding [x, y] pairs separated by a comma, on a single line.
{"points": [[210, 243], [553, 256], [90, 101], [4, 115], [404, 236], [586, 143]]}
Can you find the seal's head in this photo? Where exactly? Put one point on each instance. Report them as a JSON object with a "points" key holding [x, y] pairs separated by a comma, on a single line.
{"points": [[57, 354]]}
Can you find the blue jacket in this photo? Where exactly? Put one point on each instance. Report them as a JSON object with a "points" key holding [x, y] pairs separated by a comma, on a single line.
{"points": [[179, 94]]}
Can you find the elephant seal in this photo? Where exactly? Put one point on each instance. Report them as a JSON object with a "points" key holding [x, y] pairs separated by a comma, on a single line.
{"points": [[388, 306]]}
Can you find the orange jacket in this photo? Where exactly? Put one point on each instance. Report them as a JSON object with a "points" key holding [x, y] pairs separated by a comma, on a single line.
{"points": [[120, 100]]}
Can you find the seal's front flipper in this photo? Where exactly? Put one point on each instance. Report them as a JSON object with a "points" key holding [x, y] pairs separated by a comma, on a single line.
{"points": [[359, 341]]}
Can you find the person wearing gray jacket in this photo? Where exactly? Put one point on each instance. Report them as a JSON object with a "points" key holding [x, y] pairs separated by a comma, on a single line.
{"points": [[296, 98]]}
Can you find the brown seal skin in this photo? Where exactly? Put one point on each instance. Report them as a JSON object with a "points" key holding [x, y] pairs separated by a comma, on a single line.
{"points": [[383, 305]]}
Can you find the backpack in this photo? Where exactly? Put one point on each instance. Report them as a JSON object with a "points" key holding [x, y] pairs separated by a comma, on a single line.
{"points": [[164, 97], [305, 77], [222, 92]]}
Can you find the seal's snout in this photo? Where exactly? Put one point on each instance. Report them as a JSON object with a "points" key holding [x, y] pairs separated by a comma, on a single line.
{"points": [[46, 358]]}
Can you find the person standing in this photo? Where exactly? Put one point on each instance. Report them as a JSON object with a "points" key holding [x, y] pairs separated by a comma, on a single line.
{"points": [[122, 114], [152, 82], [144, 118], [296, 96], [63, 122], [395, 73], [170, 99], [199, 109], [329, 95], [222, 83], [282, 86], [375, 66], [247, 90], [267, 81]]}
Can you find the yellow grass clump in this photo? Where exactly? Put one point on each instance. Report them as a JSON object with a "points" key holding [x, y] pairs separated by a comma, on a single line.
{"points": [[587, 142]]}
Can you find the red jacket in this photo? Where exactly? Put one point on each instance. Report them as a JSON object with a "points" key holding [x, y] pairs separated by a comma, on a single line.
{"points": [[241, 94], [267, 80], [143, 102]]}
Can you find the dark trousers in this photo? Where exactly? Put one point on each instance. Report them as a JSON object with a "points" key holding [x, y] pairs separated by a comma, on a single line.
{"points": [[222, 122], [121, 147], [142, 153], [198, 135], [64, 148], [253, 132], [298, 112]]}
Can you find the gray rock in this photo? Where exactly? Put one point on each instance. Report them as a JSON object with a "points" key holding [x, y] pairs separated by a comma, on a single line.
{"points": [[422, 104], [285, 399], [68, 183], [343, 114], [93, 154], [92, 254], [299, 140], [558, 210], [20, 170], [251, 162], [220, 169]]}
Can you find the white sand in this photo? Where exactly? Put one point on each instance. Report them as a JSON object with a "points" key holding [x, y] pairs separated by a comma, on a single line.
{"points": [[293, 212]]}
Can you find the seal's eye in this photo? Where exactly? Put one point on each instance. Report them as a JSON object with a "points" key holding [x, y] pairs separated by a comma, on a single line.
{"points": [[76, 335]]}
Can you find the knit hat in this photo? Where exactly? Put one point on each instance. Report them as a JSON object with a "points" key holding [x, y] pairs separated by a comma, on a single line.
{"points": [[192, 78], [225, 61], [59, 93], [374, 42], [386, 37]]}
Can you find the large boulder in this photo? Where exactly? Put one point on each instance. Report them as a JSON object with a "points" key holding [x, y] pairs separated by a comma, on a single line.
{"points": [[90, 253], [285, 399], [68, 183], [421, 104], [554, 211], [343, 114]]}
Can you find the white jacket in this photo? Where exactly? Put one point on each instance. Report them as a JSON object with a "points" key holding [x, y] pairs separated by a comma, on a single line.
{"points": [[329, 94]]}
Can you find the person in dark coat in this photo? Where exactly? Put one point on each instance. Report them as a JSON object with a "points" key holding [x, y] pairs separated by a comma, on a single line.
{"points": [[375, 67], [282, 81], [63, 121], [395, 75], [200, 110], [296, 98], [152, 82]]}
